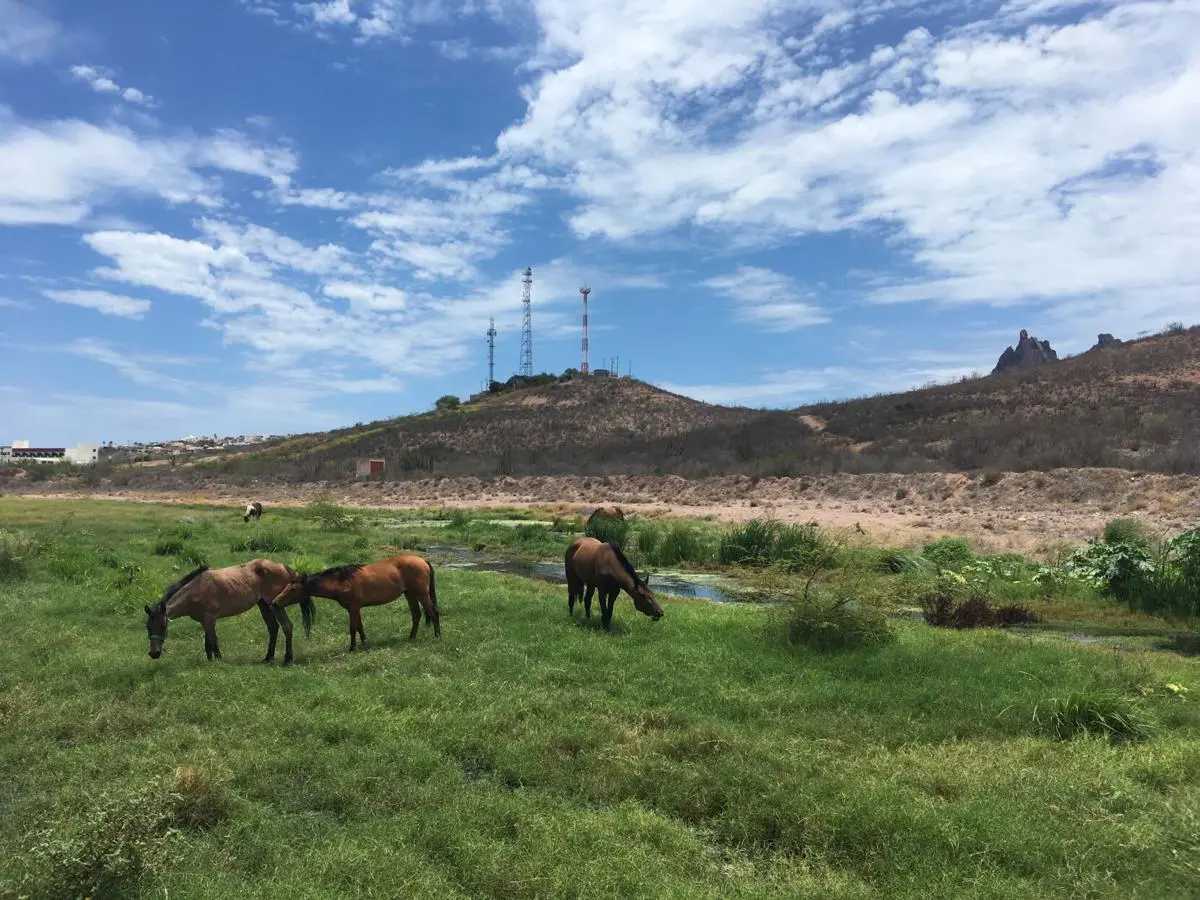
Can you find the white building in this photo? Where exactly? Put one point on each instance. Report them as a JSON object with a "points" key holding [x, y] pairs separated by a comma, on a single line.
{"points": [[20, 451]]}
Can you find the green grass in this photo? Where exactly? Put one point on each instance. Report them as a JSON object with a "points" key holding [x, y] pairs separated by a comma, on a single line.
{"points": [[527, 754]]}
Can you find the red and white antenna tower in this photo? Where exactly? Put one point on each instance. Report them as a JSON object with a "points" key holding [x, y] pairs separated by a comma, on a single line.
{"points": [[583, 368]]}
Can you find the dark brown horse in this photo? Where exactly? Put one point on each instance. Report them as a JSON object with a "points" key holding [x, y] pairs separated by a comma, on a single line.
{"points": [[253, 511], [373, 584], [606, 512], [206, 595], [596, 565]]}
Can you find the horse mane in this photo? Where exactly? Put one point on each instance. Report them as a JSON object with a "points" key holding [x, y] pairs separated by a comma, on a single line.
{"points": [[180, 584], [342, 573], [625, 564]]}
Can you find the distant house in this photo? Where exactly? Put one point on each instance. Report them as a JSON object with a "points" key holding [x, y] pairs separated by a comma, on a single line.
{"points": [[367, 468], [20, 451]]}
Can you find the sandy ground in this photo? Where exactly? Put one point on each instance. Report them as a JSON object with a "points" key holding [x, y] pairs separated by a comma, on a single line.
{"points": [[1029, 512]]}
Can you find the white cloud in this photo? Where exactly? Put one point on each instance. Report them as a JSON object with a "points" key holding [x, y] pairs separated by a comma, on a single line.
{"points": [[102, 301], [58, 172], [768, 299], [367, 296], [101, 81], [1011, 164], [364, 20], [26, 35]]}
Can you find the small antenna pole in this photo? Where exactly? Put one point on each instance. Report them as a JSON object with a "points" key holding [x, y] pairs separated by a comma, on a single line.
{"points": [[583, 366], [491, 336]]}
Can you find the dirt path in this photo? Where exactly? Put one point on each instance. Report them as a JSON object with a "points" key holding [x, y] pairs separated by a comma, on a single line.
{"points": [[1029, 512]]}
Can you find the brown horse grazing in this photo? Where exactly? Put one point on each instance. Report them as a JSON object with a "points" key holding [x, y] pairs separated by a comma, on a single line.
{"points": [[595, 564], [372, 584], [253, 511], [207, 594], [606, 512]]}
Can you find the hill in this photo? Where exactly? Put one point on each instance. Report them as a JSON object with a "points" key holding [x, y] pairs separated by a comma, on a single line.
{"points": [[1135, 405]]}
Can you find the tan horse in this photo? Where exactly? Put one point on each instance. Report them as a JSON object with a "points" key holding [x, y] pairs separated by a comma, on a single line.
{"points": [[206, 595], [593, 564], [373, 584]]}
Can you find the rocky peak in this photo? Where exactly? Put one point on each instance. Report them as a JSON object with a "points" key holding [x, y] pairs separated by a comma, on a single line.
{"points": [[1106, 340], [1029, 353]]}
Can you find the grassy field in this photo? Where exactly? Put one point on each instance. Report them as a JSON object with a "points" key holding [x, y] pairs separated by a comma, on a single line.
{"points": [[527, 755]]}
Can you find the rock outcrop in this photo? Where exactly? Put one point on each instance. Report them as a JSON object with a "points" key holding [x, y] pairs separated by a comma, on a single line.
{"points": [[1029, 353], [1106, 340]]}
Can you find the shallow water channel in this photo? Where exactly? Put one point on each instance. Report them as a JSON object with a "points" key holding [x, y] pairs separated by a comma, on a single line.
{"points": [[716, 588]]}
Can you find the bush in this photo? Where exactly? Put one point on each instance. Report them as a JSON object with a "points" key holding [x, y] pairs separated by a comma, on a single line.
{"points": [[331, 516], [447, 402], [825, 625], [950, 554], [944, 610], [16, 549], [1090, 712], [900, 562], [1126, 531]]}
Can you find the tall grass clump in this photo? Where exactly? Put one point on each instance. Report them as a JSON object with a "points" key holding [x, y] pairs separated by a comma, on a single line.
{"points": [[671, 545], [16, 550], [1126, 530], [1103, 713], [949, 554], [331, 516], [268, 540], [764, 542], [606, 529]]}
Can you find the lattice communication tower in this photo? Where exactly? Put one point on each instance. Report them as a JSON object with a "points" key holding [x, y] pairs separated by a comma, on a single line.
{"points": [[583, 367], [527, 326], [491, 336]]}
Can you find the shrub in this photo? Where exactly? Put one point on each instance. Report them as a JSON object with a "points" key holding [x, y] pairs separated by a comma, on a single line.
{"points": [[16, 549], [264, 541], [331, 516], [825, 625], [1091, 712], [1126, 531], [899, 562], [943, 609], [447, 402], [949, 553], [682, 543]]}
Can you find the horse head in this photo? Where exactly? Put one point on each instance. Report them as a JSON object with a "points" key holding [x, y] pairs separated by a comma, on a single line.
{"points": [[298, 590], [644, 600], [156, 628]]}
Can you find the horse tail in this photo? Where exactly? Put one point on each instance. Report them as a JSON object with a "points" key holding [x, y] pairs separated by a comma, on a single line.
{"points": [[308, 614], [432, 594]]}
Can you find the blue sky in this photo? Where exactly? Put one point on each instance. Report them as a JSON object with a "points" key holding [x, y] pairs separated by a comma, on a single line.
{"points": [[264, 216]]}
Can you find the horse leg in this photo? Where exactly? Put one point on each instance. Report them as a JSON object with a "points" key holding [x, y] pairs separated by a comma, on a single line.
{"points": [[608, 597], [587, 601], [272, 630], [415, 608], [356, 625], [286, 622], [571, 590], [211, 647]]}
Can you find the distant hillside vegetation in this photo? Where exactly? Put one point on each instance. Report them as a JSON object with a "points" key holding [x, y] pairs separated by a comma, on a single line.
{"points": [[1135, 405]]}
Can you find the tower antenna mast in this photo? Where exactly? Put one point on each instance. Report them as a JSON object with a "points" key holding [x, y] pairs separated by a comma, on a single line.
{"points": [[583, 368], [491, 336], [527, 325]]}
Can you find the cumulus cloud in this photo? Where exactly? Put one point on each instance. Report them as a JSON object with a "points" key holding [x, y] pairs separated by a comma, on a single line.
{"points": [[101, 81], [59, 172]]}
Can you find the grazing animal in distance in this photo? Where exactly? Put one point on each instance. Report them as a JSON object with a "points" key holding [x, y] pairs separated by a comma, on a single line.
{"points": [[596, 565], [253, 511], [606, 512], [371, 584], [206, 595]]}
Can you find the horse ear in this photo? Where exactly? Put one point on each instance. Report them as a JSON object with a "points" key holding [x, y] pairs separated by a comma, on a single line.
{"points": [[148, 612]]}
